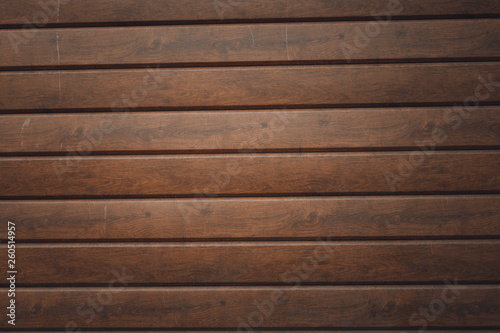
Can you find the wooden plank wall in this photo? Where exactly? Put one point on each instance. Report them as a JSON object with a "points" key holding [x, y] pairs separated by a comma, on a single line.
{"points": [[254, 165]]}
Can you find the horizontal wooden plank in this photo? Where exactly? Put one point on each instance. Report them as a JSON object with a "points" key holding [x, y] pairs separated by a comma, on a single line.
{"points": [[250, 86], [104, 11], [255, 218], [251, 174], [333, 129], [337, 42], [268, 262], [230, 307]]}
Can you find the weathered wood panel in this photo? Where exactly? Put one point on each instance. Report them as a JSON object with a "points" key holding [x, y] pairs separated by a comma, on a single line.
{"points": [[261, 263], [339, 85], [221, 307], [248, 174], [215, 44], [256, 218], [130, 11], [238, 131]]}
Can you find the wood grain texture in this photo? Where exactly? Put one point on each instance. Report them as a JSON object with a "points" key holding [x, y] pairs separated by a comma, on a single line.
{"points": [[267, 130], [267, 262], [251, 174], [104, 11], [207, 44], [255, 218], [340, 85], [220, 307], [203, 204]]}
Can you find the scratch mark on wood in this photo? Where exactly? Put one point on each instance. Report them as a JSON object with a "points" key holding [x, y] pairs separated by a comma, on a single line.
{"points": [[286, 41], [58, 62], [26, 123], [251, 32]]}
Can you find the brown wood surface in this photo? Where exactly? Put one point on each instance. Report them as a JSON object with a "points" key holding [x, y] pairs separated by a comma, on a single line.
{"points": [[341, 85], [208, 44], [130, 11], [220, 307], [323, 153], [250, 174], [266, 262], [256, 218], [266, 130]]}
